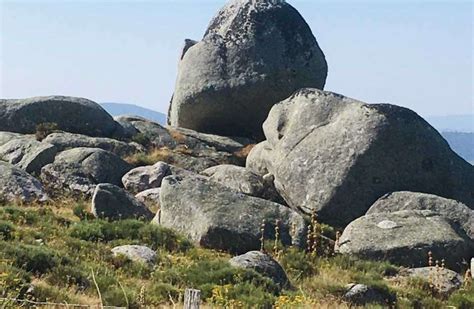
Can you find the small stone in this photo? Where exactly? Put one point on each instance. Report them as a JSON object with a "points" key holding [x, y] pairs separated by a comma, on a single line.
{"points": [[141, 254]]}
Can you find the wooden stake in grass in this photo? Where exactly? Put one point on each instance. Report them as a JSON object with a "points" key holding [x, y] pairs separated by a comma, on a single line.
{"points": [[262, 238], [277, 236]]}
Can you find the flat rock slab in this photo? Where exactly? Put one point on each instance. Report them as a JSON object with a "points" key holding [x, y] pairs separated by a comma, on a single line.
{"points": [[113, 203], [18, 184], [263, 264], [405, 238], [141, 254], [70, 114], [64, 141], [218, 217]]}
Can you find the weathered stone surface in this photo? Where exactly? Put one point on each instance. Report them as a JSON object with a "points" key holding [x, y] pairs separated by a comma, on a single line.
{"points": [[404, 200], [259, 158], [113, 203], [141, 254], [18, 184], [361, 294], [5, 137], [243, 180], [405, 238], [156, 133], [442, 280], [79, 170], [217, 217], [186, 148], [150, 196], [263, 264], [145, 177], [75, 115], [197, 140], [65, 141], [337, 156], [28, 154], [254, 54]]}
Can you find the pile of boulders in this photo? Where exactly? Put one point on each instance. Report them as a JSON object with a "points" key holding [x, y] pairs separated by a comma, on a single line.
{"points": [[378, 171]]}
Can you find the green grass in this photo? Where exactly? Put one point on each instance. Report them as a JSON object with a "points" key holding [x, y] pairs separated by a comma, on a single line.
{"points": [[58, 248]]}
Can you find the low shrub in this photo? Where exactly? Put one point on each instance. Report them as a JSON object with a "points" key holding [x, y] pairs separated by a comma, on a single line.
{"points": [[45, 129], [147, 234], [6, 230], [34, 259]]}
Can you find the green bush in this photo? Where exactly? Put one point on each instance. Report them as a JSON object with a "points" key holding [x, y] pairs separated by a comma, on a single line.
{"points": [[6, 230], [142, 139], [35, 259], [148, 234]]}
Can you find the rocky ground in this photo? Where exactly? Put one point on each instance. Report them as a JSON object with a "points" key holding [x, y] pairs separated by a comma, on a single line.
{"points": [[286, 195]]}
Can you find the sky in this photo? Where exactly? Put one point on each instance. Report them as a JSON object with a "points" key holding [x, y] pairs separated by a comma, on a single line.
{"points": [[417, 54]]}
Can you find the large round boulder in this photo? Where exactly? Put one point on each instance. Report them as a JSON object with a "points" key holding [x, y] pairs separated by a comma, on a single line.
{"points": [[337, 156], [16, 184], [254, 54], [217, 217], [451, 209], [75, 115], [79, 170], [405, 238]]}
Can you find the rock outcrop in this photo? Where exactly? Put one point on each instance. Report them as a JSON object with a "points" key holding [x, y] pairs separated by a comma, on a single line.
{"points": [[263, 264], [113, 203], [64, 141], [70, 114], [451, 209], [337, 156], [405, 238], [254, 54], [16, 184], [217, 217], [28, 154], [79, 170]]}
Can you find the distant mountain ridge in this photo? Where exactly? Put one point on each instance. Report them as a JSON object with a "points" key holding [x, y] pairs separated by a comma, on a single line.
{"points": [[117, 109], [453, 123], [462, 144]]}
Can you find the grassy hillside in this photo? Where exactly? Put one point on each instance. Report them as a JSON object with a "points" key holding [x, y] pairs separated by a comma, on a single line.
{"points": [[65, 255]]}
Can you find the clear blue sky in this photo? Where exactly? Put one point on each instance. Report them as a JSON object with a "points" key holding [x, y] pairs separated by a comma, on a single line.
{"points": [[417, 54]]}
